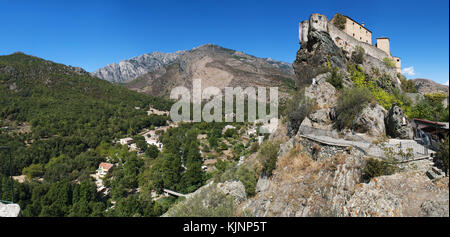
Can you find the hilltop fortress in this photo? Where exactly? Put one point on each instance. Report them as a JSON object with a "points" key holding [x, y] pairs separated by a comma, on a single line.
{"points": [[347, 34]]}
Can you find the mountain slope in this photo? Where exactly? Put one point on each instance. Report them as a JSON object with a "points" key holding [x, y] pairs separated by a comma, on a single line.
{"points": [[215, 65], [130, 69], [426, 86]]}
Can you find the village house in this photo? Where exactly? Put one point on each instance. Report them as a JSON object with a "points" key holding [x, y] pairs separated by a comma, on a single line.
{"points": [[158, 144], [126, 141], [429, 133], [104, 168], [157, 112]]}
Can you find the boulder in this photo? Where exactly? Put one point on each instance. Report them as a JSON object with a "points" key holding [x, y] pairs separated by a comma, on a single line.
{"points": [[371, 121], [234, 188], [397, 124]]}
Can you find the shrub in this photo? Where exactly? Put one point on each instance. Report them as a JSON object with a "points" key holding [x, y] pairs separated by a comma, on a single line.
{"points": [[389, 62], [435, 98], [426, 109], [230, 132], [335, 79], [375, 168], [254, 147], [340, 21], [297, 109], [442, 155], [249, 178], [350, 104], [34, 170], [357, 75], [358, 55], [407, 85], [268, 155]]}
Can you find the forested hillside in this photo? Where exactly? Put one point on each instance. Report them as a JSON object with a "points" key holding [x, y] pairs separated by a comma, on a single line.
{"points": [[52, 117]]}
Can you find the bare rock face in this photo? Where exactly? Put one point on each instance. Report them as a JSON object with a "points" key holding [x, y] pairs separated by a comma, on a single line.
{"points": [[371, 121], [325, 97], [303, 187], [397, 124], [402, 194], [234, 188], [313, 56], [9, 210], [128, 70]]}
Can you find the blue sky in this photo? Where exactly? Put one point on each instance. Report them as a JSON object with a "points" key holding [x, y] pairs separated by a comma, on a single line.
{"points": [[91, 34]]}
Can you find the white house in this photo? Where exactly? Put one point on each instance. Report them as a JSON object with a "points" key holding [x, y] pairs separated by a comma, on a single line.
{"points": [[126, 141], [156, 143], [104, 168]]}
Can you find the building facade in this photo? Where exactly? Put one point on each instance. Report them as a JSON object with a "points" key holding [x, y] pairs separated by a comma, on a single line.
{"points": [[354, 29]]}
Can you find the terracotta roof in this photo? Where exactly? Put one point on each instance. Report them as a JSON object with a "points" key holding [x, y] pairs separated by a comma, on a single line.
{"points": [[106, 166]]}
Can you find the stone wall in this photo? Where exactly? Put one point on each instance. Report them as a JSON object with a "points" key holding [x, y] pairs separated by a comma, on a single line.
{"points": [[348, 43], [357, 31]]}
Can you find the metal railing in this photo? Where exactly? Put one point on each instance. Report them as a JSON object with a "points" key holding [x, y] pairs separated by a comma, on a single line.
{"points": [[404, 150]]}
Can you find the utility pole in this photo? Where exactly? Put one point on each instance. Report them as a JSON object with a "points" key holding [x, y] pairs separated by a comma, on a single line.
{"points": [[436, 116]]}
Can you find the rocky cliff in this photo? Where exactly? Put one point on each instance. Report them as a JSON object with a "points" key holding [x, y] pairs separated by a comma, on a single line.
{"points": [[130, 69]]}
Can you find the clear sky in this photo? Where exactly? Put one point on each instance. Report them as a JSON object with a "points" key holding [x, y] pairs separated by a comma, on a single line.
{"points": [[91, 34]]}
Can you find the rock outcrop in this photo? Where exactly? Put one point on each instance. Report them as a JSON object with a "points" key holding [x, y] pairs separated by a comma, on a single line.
{"points": [[371, 121], [402, 194], [325, 97], [235, 189], [303, 187], [313, 56], [397, 124]]}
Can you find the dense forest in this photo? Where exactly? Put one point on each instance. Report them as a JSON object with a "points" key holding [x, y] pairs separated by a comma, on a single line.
{"points": [[53, 119]]}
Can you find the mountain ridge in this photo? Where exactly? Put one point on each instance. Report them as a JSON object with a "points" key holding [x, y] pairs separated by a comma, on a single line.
{"points": [[137, 67]]}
